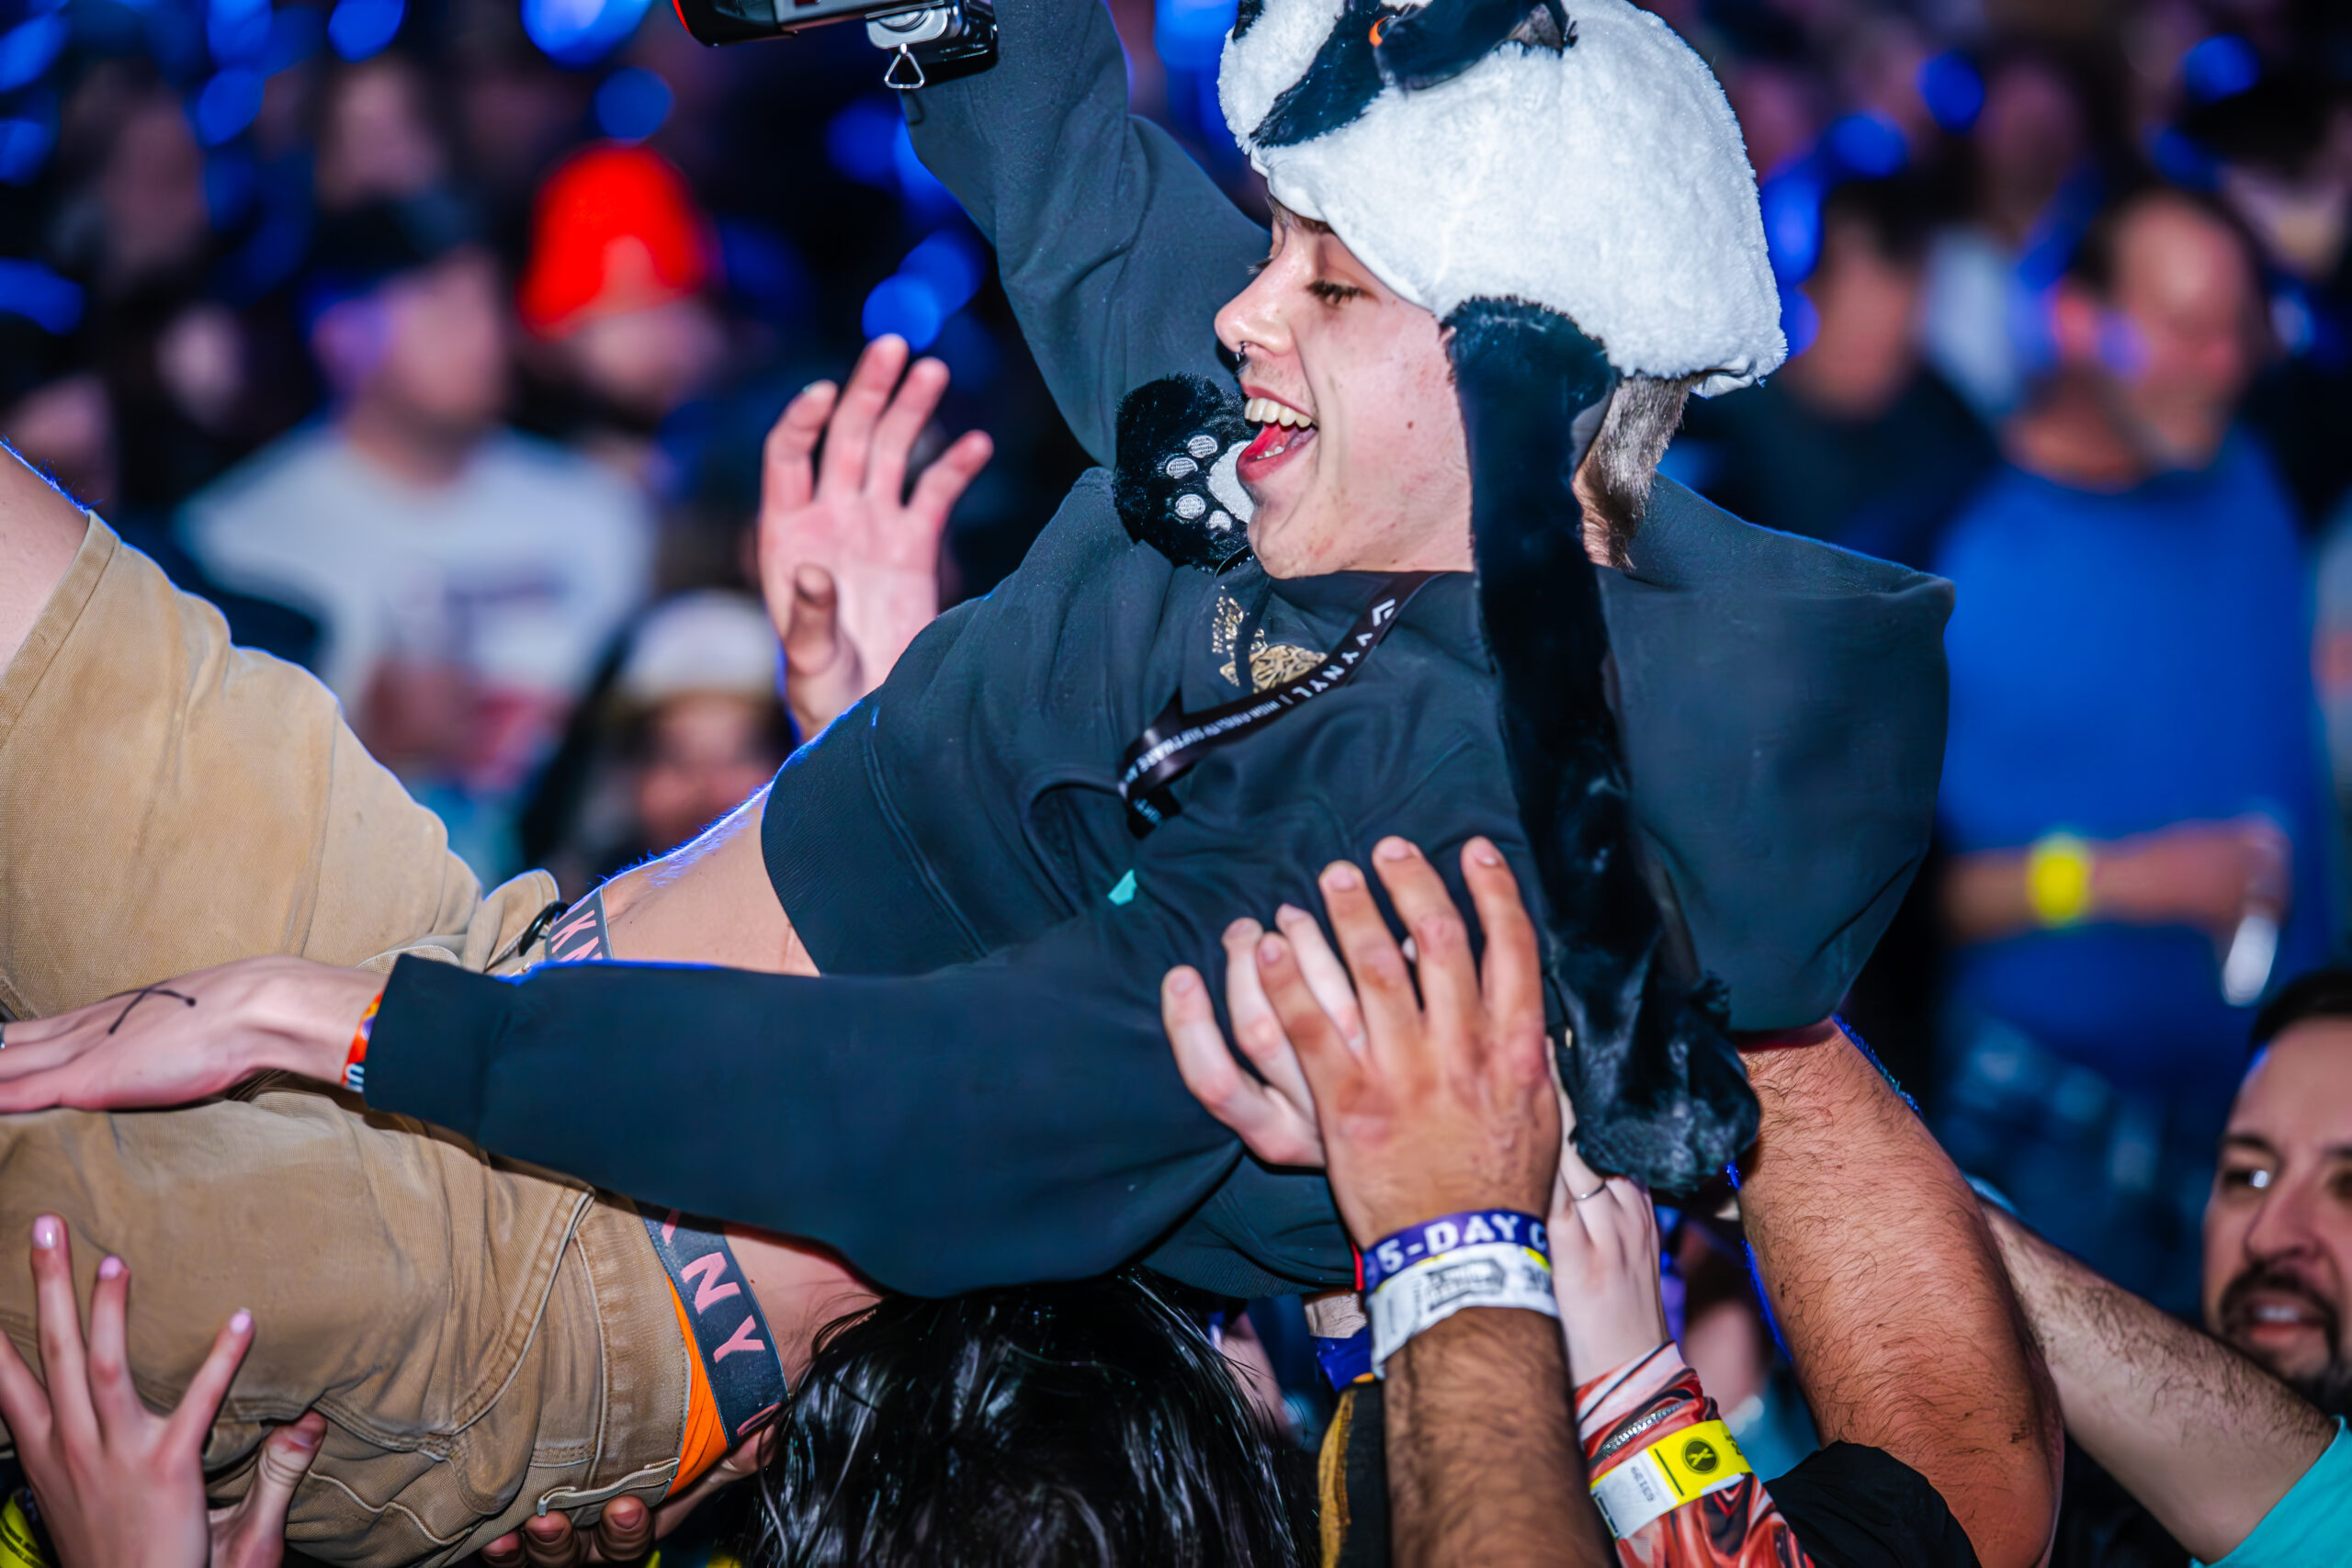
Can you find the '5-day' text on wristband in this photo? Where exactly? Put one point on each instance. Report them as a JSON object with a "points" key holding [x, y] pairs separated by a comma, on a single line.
{"points": [[1423, 1275], [355, 1064], [1434, 1238]]}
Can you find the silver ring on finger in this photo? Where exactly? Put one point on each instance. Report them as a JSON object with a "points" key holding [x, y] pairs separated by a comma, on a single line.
{"points": [[1580, 1197]]}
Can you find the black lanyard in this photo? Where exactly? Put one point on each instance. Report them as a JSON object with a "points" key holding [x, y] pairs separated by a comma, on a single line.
{"points": [[1173, 742]]}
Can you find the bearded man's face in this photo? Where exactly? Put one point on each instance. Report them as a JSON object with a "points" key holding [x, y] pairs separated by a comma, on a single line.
{"points": [[2279, 1226]]}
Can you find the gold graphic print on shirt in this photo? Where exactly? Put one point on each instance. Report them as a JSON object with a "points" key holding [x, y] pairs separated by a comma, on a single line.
{"points": [[1271, 664]]}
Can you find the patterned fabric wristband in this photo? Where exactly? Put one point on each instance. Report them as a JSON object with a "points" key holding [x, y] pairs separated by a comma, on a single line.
{"points": [[355, 1064]]}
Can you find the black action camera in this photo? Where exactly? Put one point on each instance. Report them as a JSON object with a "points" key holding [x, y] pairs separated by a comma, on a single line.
{"points": [[928, 41]]}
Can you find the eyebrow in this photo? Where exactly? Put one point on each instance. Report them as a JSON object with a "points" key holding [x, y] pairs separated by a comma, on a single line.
{"points": [[1285, 215], [2253, 1143]]}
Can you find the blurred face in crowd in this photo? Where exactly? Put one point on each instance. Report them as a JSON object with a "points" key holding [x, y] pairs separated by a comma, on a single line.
{"points": [[1359, 461], [2028, 138], [1865, 352], [377, 139], [648, 361], [152, 193], [2278, 1228], [708, 752], [2175, 344], [427, 347]]}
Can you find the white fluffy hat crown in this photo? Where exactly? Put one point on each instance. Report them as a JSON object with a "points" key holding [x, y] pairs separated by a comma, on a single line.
{"points": [[1593, 168]]}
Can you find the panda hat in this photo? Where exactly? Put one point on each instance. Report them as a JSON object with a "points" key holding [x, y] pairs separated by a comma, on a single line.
{"points": [[1574, 154]]}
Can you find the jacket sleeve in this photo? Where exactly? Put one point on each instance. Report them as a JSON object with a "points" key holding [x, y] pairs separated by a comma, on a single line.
{"points": [[1114, 247], [1018, 1118]]}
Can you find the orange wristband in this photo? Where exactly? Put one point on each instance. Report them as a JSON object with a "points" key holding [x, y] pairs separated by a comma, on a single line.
{"points": [[355, 1066]]}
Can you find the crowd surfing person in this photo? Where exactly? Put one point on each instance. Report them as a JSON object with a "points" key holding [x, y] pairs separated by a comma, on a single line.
{"points": [[1434, 1096], [956, 847]]}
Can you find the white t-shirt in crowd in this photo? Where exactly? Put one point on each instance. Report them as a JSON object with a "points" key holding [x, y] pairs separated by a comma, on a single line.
{"points": [[518, 572]]}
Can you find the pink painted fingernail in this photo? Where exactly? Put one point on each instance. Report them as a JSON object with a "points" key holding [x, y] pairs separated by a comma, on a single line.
{"points": [[1270, 951], [1483, 853], [1392, 848], [110, 1268], [239, 1321], [46, 1233], [1342, 878], [1183, 982]]}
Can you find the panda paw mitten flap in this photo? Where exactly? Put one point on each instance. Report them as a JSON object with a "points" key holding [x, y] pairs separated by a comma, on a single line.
{"points": [[1659, 1090], [1180, 441]]}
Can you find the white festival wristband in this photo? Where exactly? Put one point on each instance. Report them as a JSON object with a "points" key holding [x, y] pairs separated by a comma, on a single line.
{"points": [[1486, 1274]]}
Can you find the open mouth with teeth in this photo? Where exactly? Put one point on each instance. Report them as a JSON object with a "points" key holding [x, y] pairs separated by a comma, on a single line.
{"points": [[1283, 433]]}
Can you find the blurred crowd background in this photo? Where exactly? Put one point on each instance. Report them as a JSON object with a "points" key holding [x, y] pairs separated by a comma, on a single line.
{"points": [[435, 341]]}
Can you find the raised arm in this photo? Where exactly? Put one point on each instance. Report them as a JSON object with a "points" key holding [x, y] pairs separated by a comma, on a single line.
{"points": [[1885, 1283], [1114, 247], [2205, 1438]]}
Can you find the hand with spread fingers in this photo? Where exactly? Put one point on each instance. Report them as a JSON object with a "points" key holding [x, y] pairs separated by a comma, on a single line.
{"points": [[1417, 1103], [118, 1486], [849, 557]]}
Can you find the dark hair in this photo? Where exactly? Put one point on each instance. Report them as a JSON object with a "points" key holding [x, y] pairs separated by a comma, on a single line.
{"points": [[2316, 993], [1897, 214], [1058, 1425]]}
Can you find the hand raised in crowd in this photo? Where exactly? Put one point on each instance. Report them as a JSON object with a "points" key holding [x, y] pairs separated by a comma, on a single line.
{"points": [[1604, 1233], [1605, 1269], [118, 1486], [848, 557], [1421, 1105]]}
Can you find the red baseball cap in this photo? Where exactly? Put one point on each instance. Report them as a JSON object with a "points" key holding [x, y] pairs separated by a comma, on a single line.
{"points": [[615, 229]]}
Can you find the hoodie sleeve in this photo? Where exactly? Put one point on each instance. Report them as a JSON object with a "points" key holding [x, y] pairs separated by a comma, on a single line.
{"points": [[1012, 1119], [1114, 247]]}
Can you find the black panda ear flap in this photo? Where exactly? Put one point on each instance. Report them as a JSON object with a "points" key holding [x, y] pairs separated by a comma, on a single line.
{"points": [[1439, 41], [1180, 439]]}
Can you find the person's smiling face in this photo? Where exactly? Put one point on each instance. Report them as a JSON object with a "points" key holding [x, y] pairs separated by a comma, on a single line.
{"points": [[1359, 462], [2279, 1227]]}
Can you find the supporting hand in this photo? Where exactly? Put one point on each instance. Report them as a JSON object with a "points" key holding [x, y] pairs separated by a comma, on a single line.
{"points": [[1605, 1272], [118, 1486], [183, 1040], [627, 1529], [849, 560], [1427, 1102]]}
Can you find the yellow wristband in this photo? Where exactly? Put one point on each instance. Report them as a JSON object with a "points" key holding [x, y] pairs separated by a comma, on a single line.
{"points": [[1655, 1481], [2058, 879], [20, 1544]]}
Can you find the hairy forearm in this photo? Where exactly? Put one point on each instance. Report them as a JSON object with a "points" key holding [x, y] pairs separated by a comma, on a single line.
{"points": [[2201, 1436], [1483, 1462], [1887, 1286]]}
